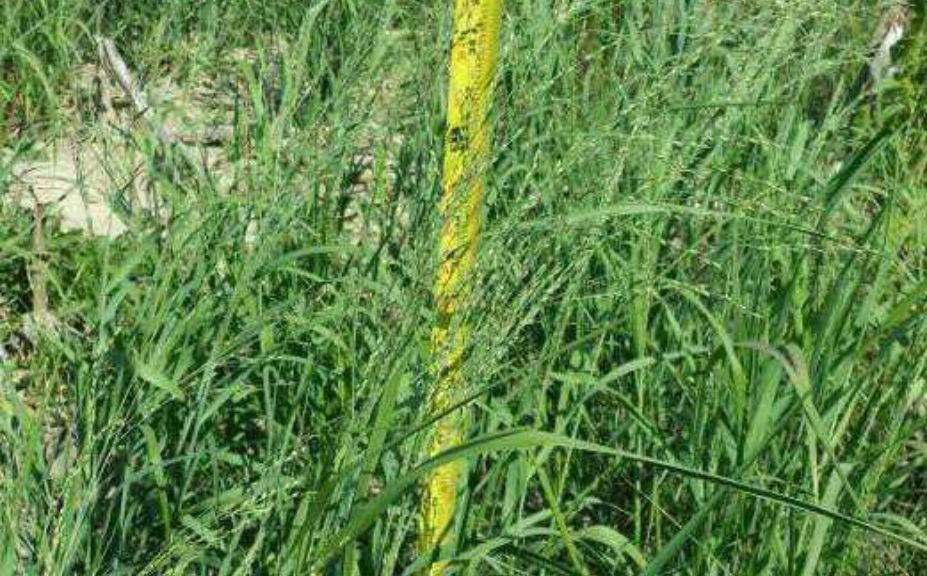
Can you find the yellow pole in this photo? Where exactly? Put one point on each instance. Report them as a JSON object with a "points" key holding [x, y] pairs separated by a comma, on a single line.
{"points": [[474, 54]]}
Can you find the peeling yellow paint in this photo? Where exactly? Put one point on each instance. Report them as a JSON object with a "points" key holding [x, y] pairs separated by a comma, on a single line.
{"points": [[474, 55]]}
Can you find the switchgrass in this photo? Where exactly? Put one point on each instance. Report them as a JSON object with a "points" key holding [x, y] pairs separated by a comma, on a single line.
{"points": [[699, 341]]}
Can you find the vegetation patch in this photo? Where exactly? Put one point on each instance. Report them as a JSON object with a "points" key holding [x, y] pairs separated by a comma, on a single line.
{"points": [[697, 337]]}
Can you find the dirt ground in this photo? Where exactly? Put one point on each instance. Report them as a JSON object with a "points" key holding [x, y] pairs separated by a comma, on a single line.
{"points": [[93, 175]]}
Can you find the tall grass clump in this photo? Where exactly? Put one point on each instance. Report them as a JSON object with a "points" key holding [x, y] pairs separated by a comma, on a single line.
{"points": [[697, 340]]}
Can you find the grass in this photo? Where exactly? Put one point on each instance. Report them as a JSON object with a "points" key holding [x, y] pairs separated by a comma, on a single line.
{"points": [[699, 344]]}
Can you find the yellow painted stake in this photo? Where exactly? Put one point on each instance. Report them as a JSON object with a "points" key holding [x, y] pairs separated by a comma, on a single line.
{"points": [[474, 54]]}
